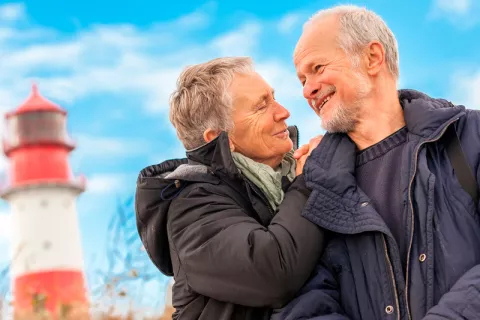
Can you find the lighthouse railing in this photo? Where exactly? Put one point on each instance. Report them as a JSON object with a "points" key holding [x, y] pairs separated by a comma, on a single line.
{"points": [[78, 182]]}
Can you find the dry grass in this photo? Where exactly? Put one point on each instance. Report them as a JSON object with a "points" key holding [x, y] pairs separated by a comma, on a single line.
{"points": [[104, 310], [112, 294], [82, 313]]}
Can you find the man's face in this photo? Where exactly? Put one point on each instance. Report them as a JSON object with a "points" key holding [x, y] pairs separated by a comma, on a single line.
{"points": [[260, 131], [334, 89]]}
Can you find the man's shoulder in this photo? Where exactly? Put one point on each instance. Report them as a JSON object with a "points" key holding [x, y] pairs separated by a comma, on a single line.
{"points": [[473, 115], [468, 130], [469, 125]]}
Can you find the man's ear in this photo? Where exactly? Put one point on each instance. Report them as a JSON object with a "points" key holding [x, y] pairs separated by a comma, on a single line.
{"points": [[209, 135], [375, 57]]}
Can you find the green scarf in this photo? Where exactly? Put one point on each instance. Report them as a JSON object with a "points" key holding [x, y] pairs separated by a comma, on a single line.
{"points": [[265, 177]]}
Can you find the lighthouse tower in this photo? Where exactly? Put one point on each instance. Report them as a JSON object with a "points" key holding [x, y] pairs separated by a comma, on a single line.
{"points": [[169, 309], [47, 261]]}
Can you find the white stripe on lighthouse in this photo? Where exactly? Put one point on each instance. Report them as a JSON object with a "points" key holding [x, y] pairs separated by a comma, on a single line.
{"points": [[169, 293], [45, 233]]}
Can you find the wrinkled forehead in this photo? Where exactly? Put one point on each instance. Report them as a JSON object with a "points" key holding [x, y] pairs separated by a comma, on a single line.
{"points": [[248, 87], [317, 42]]}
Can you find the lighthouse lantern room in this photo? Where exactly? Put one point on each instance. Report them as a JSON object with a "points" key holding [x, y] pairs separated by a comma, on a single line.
{"points": [[37, 131], [47, 261]]}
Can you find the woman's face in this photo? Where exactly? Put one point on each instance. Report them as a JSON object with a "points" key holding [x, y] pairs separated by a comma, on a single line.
{"points": [[260, 131]]}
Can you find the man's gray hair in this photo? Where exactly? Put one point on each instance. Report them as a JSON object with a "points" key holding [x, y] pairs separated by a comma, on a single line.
{"points": [[202, 99], [358, 27]]}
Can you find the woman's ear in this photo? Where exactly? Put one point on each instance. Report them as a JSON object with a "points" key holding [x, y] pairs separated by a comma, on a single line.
{"points": [[209, 135]]}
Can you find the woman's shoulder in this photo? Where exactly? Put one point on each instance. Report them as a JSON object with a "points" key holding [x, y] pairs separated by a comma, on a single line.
{"points": [[203, 206], [203, 192]]}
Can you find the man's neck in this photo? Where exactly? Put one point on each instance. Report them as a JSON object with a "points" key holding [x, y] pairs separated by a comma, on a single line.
{"points": [[381, 116]]}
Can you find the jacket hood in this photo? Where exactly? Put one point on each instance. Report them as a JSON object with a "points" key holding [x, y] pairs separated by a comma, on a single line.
{"points": [[423, 114], [159, 184]]}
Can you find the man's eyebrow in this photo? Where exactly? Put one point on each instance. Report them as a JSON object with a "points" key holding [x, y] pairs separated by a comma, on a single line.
{"points": [[308, 66]]}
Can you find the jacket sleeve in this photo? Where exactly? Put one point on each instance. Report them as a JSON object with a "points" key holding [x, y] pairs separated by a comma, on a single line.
{"points": [[227, 255], [319, 299], [462, 301]]}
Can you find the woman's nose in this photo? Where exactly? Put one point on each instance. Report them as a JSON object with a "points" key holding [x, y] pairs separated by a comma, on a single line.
{"points": [[281, 113]]}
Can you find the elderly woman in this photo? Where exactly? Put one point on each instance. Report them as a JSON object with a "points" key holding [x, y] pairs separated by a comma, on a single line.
{"points": [[226, 223]]}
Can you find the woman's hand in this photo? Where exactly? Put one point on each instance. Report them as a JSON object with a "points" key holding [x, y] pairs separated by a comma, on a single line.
{"points": [[302, 153]]}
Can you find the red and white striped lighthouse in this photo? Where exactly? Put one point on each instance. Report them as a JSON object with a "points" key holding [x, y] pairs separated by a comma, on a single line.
{"points": [[47, 269]]}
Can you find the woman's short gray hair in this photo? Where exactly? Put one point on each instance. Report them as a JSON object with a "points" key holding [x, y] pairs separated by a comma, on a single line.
{"points": [[202, 99], [358, 27]]}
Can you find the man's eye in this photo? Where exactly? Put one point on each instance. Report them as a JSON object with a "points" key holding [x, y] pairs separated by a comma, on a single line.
{"points": [[318, 67]]}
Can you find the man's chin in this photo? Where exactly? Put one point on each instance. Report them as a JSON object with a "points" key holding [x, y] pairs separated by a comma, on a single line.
{"points": [[337, 127], [330, 126], [325, 124]]}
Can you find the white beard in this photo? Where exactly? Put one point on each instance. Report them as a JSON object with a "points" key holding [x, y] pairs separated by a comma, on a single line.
{"points": [[344, 117]]}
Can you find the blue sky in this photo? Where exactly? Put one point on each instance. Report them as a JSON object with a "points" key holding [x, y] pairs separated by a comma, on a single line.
{"points": [[112, 66]]}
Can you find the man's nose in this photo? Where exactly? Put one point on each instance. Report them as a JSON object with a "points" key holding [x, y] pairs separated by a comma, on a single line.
{"points": [[310, 90], [281, 113]]}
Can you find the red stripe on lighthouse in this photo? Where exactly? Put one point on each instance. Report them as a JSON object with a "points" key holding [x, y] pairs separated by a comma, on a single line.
{"points": [[58, 291]]}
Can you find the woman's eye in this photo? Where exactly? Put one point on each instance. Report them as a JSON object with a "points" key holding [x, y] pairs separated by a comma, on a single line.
{"points": [[318, 67], [262, 106]]}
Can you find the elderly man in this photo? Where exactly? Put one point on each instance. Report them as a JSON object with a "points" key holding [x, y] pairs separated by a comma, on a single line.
{"points": [[390, 182]]}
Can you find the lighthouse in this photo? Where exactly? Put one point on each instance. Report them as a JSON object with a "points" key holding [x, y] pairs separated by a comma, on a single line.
{"points": [[169, 309], [47, 270]]}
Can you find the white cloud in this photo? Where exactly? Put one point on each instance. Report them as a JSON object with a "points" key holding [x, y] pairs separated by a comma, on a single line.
{"points": [[12, 12], [100, 147], [115, 59], [281, 76], [455, 7], [460, 13], [118, 59], [195, 19], [92, 150], [288, 22], [238, 42], [124, 60], [175, 151], [107, 183], [466, 90]]}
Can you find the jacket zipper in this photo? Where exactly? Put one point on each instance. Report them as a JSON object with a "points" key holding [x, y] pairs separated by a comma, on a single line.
{"points": [[397, 303], [411, 210], [262, 196]]}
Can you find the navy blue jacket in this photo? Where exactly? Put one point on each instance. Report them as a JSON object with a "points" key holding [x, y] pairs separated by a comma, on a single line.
{"points": [[360, 274]]}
